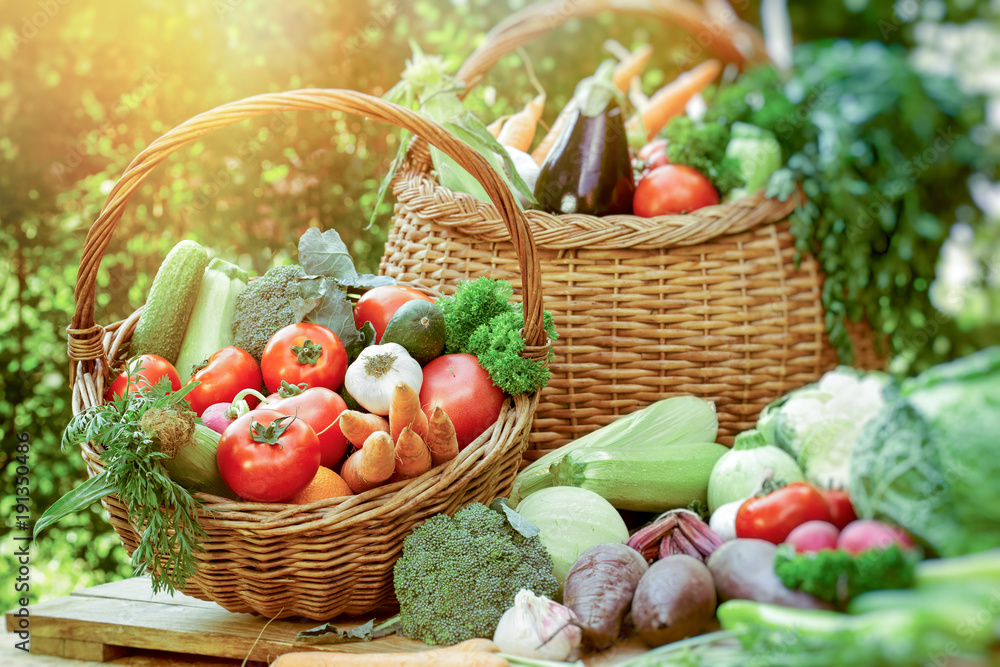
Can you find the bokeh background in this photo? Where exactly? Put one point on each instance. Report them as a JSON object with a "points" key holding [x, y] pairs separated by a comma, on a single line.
{"points": [[84, 86]]}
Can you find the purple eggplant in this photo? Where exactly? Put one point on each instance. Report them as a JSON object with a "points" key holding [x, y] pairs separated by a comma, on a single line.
{"points": [[588, 169]]}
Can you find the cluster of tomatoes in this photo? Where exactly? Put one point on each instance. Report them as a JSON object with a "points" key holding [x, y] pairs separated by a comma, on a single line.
{"points": [[274, 450], [666, 188], [812, 519]]}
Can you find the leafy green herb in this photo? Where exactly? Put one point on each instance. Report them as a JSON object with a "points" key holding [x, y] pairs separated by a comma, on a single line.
{"points": [[837, 576], [703, 147], [164, 511], [498, 346], [481, 320]]}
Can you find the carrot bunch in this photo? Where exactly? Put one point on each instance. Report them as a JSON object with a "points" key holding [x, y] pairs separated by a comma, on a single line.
{"points": [[405, 446]]}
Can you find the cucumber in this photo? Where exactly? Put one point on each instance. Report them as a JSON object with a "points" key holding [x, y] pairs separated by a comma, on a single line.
{"points": [[418, 326], [646, 479], [171, 299]]}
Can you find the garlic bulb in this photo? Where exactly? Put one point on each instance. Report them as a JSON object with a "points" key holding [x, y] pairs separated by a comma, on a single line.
{"points": [[536, 627], [374, 374]]}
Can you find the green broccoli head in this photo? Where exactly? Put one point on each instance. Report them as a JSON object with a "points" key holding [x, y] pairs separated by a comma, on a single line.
{"points": [[264, 307], [457, 576]]}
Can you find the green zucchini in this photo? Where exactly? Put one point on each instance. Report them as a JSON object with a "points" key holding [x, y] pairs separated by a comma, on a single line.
{"points": [[210, 327], [646, 479], [171, 299], [671, 421]]}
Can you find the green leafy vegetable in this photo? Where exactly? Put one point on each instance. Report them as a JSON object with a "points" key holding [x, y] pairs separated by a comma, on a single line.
{"points": [[473, 304], [498, 346], [481, 320], [896, 476], [871, 140], [927, 462], [325, 254], [837, 576], [703, 147], [758, 154], [165, 511]]}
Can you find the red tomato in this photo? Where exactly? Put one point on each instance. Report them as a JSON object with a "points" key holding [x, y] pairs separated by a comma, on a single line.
{"points": [[673, 188], [460, 386], [654, 154], [774, 516], [318, 407], [841, 509], [142, 372], [225, 374], [266, 456], [378, 305], [304, 352]]}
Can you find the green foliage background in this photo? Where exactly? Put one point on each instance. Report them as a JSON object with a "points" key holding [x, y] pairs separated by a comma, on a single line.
{"points": [[85, 86]]}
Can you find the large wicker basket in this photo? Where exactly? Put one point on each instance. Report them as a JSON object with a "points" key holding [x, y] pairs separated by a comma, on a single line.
{"points": [[331, 556], [712, 303]]}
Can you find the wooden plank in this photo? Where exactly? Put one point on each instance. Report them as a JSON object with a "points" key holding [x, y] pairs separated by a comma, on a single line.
{"points": [[140, 589], [210, 631], [76, 650], [125, 618]]}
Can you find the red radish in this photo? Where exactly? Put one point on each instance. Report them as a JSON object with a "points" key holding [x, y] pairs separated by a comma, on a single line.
{"points": [[215, 416], [864, 534], [219, 416], [813, 536]]}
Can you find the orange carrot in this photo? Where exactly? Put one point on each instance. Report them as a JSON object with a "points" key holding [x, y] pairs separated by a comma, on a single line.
{"points": [[404, 410], [631, 67], [443, 657], [413, 458], [495, 127], [371, 465], [669, 101], [519, 130], [441, 438], [549, 140], [473, 645], [357, 426]]}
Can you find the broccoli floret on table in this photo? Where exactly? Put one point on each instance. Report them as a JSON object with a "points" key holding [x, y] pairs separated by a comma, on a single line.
{"points": [[264, 307], [457, 576]]}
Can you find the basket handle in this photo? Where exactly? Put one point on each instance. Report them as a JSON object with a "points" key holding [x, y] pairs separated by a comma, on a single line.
{"points": [[709, 23], [86, 338]]}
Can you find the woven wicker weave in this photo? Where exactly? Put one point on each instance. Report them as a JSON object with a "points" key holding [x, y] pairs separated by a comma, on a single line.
{"points": [[711, 303], [328, 557]]}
